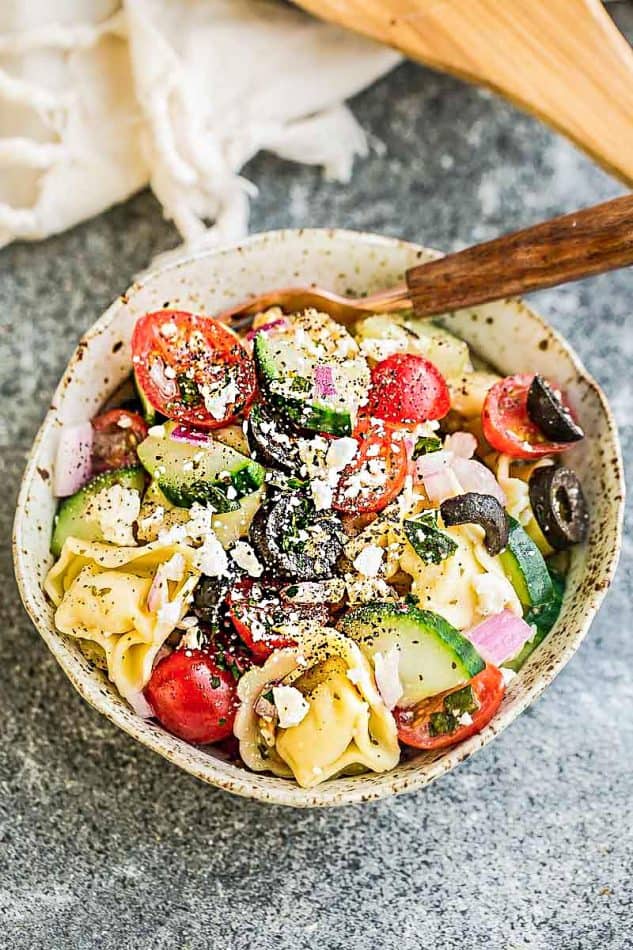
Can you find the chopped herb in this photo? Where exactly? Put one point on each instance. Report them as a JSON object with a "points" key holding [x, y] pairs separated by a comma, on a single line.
{"points": [[461, 701], [441, 723], [426, 444], [300, 384], [429, 543], [215, 682], [189, 392], [269, 696]]}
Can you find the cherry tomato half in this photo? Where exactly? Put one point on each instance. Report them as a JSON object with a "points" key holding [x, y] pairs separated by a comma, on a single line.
{"points": [[414, 722], [192, 369], [117, 433], [255, 607], [193, 697], [406, 388], [506, 424], [376, 474]]}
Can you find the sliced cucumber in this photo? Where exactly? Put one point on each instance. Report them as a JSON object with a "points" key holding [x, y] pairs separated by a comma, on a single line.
{"points": [[434, 656], [151, 415], [525, 567], [446, 351], [72, 519], [188, 473], [543, 617], [287, 363]]}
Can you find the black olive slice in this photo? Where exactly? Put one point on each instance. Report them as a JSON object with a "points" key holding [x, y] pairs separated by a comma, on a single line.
{"points": [[484, 510], [545, 409], [209, 597], [296, 541], [273, 442], [559, 505]]}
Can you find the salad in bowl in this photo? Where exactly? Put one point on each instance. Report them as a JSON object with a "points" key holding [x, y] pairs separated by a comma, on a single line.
{"points": [[315, 548]]}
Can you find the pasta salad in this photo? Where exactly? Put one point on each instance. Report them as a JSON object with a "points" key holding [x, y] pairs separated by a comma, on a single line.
{"points": [[316, 548]]}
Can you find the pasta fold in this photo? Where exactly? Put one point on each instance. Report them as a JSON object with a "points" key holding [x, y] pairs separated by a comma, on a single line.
{"points": [[102, 594]]}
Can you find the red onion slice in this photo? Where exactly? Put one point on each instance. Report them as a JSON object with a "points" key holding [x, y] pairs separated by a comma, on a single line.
{"points": [[474, 476], [140, 705], [500, 637], [190, 436], [73, 463], [462, 444], [324, 382], [282, 323], [157, 375]]}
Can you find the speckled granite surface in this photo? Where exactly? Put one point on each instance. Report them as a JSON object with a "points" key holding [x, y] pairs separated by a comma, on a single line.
{"points": [[526, 847]]}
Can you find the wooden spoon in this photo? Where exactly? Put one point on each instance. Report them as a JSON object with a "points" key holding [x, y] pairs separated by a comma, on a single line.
{"points": [[565, 61], [554, 252]]}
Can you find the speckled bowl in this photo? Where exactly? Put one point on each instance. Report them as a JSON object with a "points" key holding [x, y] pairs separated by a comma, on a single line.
{"points": [[508, 335]]}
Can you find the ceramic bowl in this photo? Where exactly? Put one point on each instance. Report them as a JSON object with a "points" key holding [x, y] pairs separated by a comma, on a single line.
{"points": [[508, 335]]}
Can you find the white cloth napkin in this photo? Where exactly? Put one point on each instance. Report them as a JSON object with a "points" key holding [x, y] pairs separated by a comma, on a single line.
{"points": [[100, 97]]}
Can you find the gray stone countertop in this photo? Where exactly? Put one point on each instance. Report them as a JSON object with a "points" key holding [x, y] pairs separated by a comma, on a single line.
{"points": [[528, 846]]}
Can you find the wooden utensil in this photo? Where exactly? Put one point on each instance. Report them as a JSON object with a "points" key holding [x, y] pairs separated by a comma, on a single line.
{"points": [[554, 252], [562, 60]]}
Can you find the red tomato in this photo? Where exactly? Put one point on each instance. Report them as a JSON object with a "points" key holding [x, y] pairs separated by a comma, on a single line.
{"points": [[377, 473], [117, 433], [183, 361], [413, 722], [255, 607], [406, 388], [506, 424], [193, 697]]}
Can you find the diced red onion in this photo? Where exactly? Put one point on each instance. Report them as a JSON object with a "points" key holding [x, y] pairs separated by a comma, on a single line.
{"points": [[281, 323], [157, 375], [433, 462], [73, 463], [324, 382], [473, 476], [157, 592], [462, 444], [140, 705], [440, 485], [500, 637], [190, 436]]}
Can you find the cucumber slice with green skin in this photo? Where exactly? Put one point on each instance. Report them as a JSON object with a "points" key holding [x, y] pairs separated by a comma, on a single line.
{"points": [[151, 415], [71, 519], [188, 473], [543, 617], [434, 656], [525, 567], [287, 362]]}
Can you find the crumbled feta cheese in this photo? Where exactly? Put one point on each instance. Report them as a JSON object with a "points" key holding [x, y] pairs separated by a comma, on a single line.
{"points": [[210, 558], [494, 594], [465, 719], [200, 521], [157, 432], [369, 561], [115, 509], [322, 494], [386, 671], [231, 493], [169, 330], [192, 638], [508, 675], [169, 614], [124, 422], [174, 568], [364, 590], [216, 401], [244, 556], [291, 706], [152, 520], [340, 453]]}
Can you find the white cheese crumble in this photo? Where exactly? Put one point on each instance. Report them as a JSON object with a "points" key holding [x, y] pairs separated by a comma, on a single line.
{"points": [[369, 561], [465, 719], [494, 594], [191, 638], [115, 509], [169, 330], [322, 494], [244, 556], [216, 401], [364, 590], [387, 676], [340, 453], [508, 675], [210, 558], [157, 432], [291, 706], [169, 613]]}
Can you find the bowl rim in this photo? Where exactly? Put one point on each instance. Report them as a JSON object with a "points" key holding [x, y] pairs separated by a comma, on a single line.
{"points": [[237, 780]]}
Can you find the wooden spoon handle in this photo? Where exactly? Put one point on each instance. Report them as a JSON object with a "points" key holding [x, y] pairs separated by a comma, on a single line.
{"points": [[563, 249]]}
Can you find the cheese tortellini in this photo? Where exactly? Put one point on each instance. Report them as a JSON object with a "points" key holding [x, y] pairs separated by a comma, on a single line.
{"points": [[346, 726], [461, 586], [101, 593]]}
